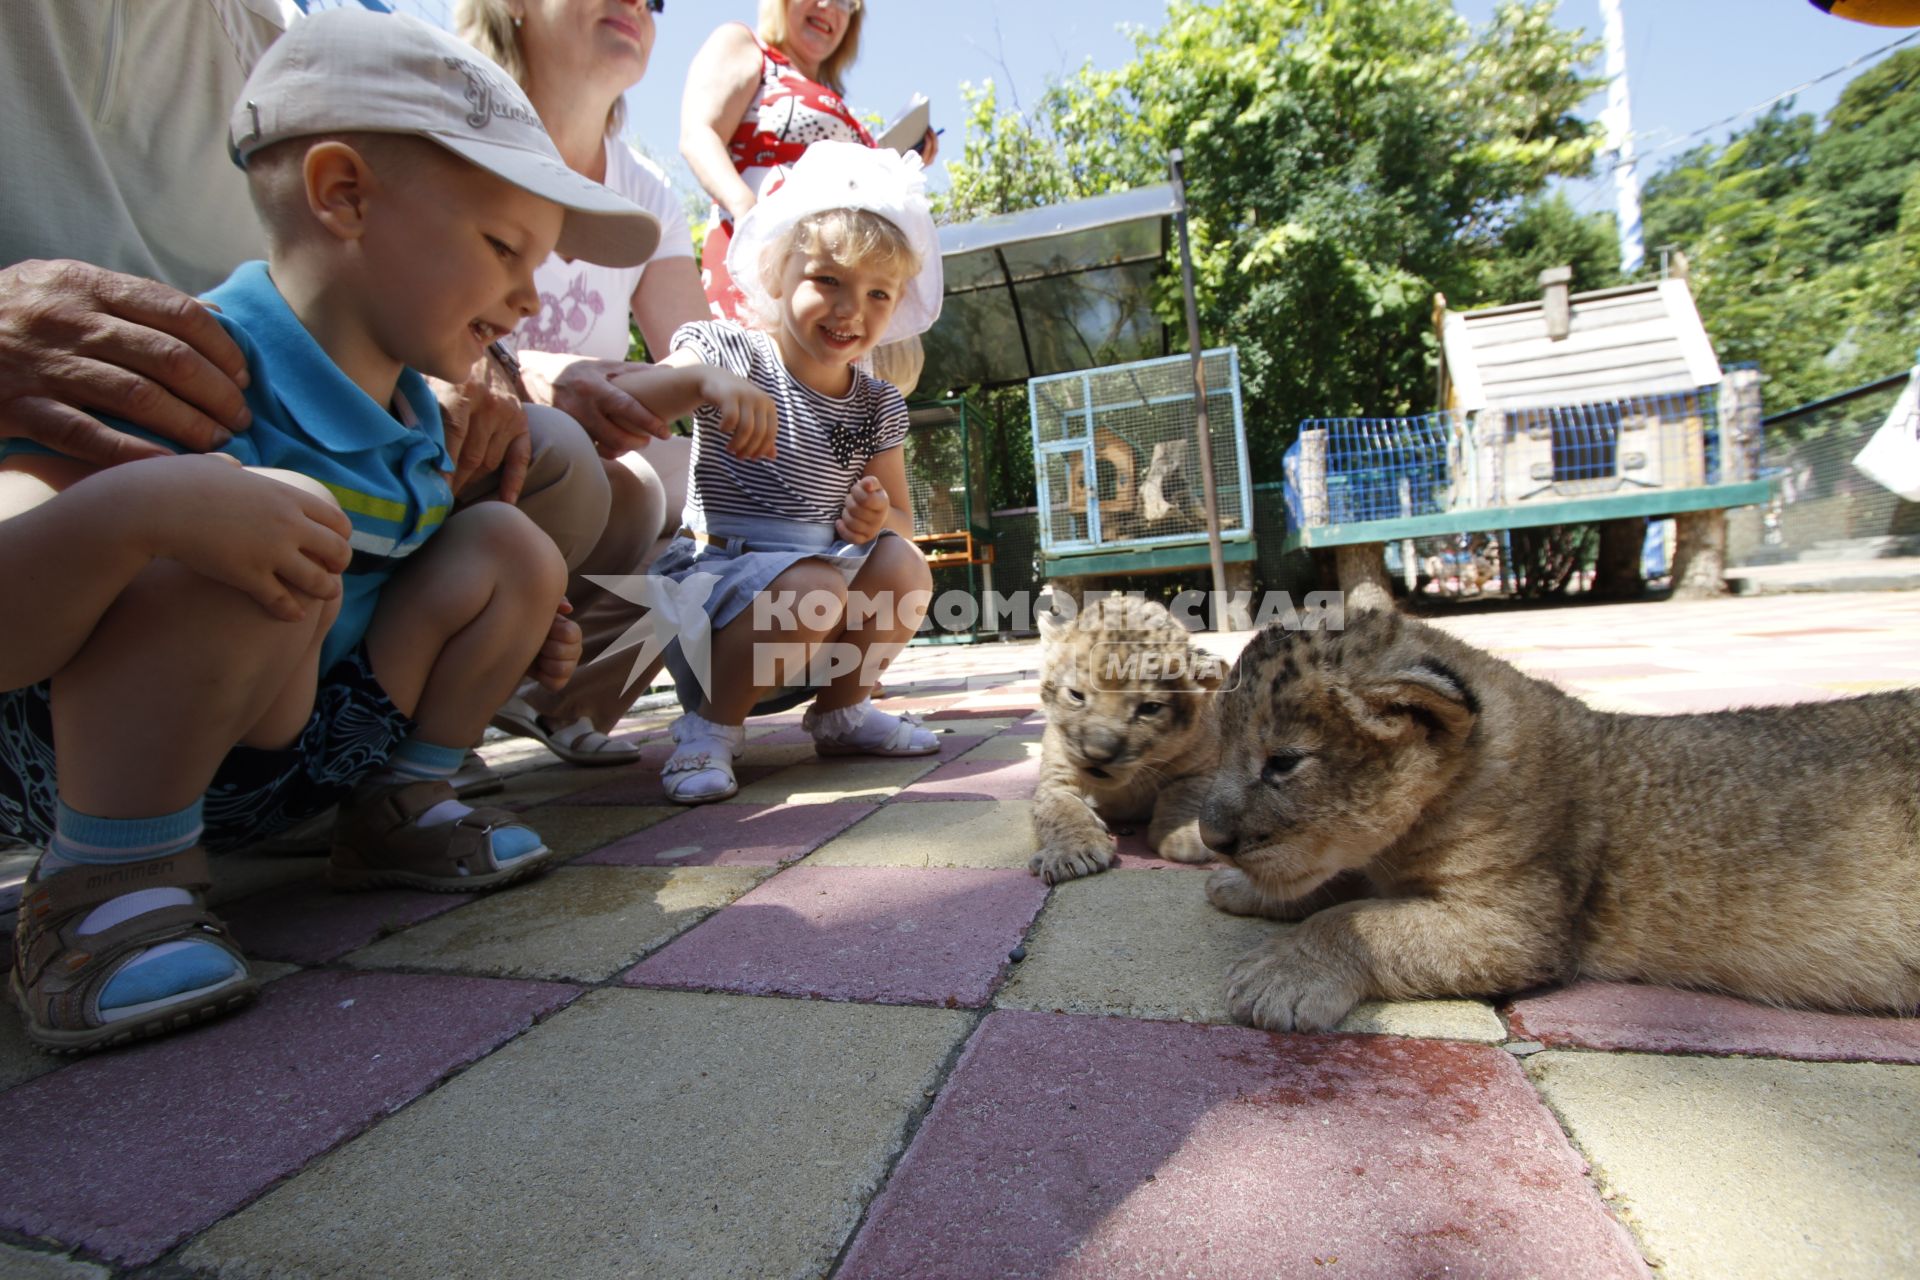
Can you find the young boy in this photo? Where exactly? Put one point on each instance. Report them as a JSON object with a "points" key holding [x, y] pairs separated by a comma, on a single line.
{"points": [[203, 655]]}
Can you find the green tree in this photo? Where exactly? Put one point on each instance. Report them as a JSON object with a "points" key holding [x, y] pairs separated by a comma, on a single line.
{"points": [[1346, 159], [1547, 232]]}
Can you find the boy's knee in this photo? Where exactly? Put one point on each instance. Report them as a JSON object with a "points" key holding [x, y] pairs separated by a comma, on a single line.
{"points": [[515, 548]]}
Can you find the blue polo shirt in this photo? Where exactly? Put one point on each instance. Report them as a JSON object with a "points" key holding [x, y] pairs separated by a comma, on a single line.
{"points": [[389, 475]]}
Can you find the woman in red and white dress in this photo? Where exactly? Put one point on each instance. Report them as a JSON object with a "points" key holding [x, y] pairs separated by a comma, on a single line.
{"points": [[755, 100]]}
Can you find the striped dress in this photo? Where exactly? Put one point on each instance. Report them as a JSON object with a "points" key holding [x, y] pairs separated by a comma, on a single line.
{"points": [[824, 445]]}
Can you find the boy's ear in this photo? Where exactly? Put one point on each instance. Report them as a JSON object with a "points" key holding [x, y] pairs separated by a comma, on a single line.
{"points": [[339, 183]]}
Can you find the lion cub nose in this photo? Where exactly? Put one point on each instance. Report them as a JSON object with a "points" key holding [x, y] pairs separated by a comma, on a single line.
{"points": [[1221, 842], [1102, 747]]}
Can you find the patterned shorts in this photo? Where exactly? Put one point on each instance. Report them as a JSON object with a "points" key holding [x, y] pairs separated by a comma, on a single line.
{"points": [[255, 793]]}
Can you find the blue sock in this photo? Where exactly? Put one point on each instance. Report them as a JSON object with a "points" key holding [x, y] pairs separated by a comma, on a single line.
{"points": [[415, 760], [160, 973]]}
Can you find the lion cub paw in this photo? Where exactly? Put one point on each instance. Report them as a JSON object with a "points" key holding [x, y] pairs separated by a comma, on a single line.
{"points": [[1285, 986], [1229, 890], [1069, 861], [1184, 844]]}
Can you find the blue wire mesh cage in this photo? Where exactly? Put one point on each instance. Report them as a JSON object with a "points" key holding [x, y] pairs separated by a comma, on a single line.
{"points": [[1355, 470]]}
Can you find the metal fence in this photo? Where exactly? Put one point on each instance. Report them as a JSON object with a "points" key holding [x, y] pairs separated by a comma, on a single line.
{"points": [[1822, 507]]}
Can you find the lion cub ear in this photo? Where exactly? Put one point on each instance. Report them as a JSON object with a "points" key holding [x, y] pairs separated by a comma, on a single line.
{"points": [[1429, 694], [1053, 625]]}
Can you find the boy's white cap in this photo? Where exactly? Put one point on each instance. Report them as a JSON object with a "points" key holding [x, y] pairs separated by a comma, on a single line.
{"points": [[351, 69], [846, 175]]}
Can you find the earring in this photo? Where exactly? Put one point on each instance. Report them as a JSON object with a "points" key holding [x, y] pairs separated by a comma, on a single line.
{"points": [[517, 20]]}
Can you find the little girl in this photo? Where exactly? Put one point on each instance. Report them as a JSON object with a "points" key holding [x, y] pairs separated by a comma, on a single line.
{"points": [[806, 509]]}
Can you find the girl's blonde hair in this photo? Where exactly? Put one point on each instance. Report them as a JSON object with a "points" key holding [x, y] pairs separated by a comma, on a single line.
{"points": [[773, 30], [849, 236], [487, 25]]}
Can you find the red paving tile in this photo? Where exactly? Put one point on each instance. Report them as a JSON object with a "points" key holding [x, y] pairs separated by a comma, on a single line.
{"points": [[1097, 1147], [1619, 1015], [892, 935], [128, 1153], [311, 924], [1137, 855], [731, 835]]}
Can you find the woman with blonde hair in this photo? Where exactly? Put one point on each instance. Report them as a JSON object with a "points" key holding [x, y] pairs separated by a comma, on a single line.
{"points": [[755, 101], [575, 59]]}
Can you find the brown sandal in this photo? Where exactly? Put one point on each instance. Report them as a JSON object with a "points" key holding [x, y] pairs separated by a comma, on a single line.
{"points": [[58, 973], [376, 842]]}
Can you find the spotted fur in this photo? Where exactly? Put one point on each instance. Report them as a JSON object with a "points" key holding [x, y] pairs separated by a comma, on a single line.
{"points": [[1129, 738], [1443, 825]]}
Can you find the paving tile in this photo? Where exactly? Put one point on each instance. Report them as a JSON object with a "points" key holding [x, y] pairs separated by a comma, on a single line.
{"points": [[858, 933], [1146, 944], [562, 781], [1139, 944], [19, 1060], [578, 923], [853, 780], [1031, 727], [1620, 1015], [1007, 747], [1130, 844], [639, 785], [957, 833], [1749, 1168], [243, 874], [575, 829], [640, 1133], [127, 1153], [1068, 1147], [23, 1264], [972, 779], [309, 923], [732, 835]]}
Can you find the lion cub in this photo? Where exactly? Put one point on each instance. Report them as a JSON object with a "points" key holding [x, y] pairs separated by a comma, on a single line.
{"points": [[1129, 737], [1498, 834]]}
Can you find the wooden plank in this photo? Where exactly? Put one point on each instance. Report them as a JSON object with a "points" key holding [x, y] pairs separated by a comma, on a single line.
{"points": [[1183, 555], [1654, 503]]}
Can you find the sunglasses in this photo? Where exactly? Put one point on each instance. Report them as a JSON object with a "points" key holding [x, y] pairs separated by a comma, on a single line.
{"points": [[846, 6], [656, 6]]}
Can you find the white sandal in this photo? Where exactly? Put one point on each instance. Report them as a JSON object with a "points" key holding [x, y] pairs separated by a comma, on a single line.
{"points": [[865, 730], [578, 743], [700, 770]]}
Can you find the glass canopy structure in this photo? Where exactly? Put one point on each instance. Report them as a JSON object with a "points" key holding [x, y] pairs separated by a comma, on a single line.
{"points": [[1050, 290]]}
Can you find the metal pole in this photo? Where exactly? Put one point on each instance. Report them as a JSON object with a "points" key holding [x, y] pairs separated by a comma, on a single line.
{"points": [[1215, 557]]}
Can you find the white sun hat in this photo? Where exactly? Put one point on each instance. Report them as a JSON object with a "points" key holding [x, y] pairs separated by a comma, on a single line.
{"points": [[845, 175], [354, 70]]}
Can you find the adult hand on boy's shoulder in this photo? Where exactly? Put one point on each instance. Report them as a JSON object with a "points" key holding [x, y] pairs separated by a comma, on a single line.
{"points": [[77, 339], [486, 432]]}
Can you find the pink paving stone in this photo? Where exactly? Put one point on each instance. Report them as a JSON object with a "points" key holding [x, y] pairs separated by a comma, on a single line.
{"points": [[1136, 855], [311, 924], [1032, 727], [128, 1153], [890, 935], [976, 780], [1067, 1147], [1620, 1015], [732, 835]]}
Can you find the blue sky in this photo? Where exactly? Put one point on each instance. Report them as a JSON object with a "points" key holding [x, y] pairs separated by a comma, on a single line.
{"points": [[1689, 62]]}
